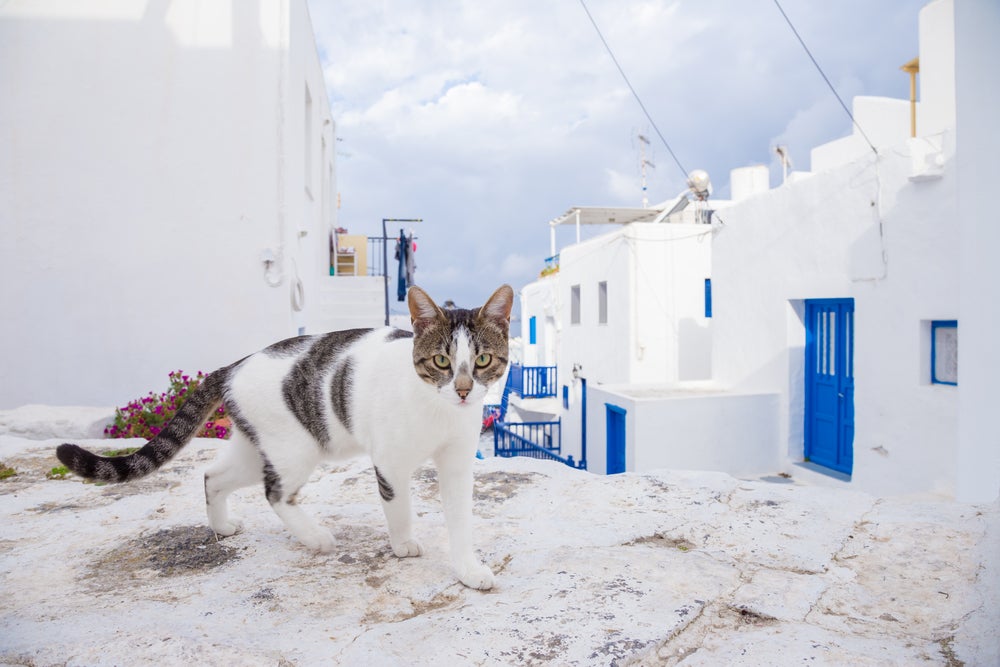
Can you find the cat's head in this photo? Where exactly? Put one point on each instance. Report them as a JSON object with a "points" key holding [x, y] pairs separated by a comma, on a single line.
{"points": [[460, 352]]}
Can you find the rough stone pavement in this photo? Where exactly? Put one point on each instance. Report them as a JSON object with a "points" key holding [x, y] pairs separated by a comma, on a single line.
{"points": [[662, 568]]}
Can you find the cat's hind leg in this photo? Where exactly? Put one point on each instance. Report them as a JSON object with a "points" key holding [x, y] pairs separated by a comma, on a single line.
{"points": [[237, 465], [394, 488], [282, 482]]}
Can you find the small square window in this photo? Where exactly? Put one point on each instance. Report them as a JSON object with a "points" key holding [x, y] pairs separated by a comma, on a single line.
{"points": [[944, 352], [574, 304], [602, 302]]}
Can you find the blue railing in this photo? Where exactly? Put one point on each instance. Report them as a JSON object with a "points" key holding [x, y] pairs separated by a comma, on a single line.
{"points": [[533, 381], [538, 440]]}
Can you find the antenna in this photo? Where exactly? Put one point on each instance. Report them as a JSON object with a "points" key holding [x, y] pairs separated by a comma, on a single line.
{"points": [[643, 163]]}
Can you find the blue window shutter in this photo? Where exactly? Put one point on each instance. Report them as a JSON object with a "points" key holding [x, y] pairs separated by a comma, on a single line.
{"points": [[532, 331], [708, 297]]}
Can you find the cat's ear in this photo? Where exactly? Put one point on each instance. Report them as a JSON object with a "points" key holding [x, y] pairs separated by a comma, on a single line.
{"points": [[423, 311], [497, 307]]}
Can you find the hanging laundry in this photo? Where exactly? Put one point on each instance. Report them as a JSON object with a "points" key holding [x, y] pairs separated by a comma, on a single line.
{"points": [[402, 251], [411, 262]]}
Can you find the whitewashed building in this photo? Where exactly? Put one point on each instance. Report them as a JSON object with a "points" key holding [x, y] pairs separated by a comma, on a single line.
{"points": [[625, 307], [167, 191], [838, 300]]}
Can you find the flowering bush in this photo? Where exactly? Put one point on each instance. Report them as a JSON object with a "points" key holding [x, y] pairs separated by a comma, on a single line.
{"points": [[145, 417]]}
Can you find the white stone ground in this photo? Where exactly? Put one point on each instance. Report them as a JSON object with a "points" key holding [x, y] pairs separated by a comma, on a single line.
{"points": [[655, 569]]}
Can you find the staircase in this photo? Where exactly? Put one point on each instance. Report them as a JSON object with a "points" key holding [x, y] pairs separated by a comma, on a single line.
{"points": [[541, 439], [349, 302]]}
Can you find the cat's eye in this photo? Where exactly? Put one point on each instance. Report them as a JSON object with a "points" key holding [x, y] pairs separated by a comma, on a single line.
{"points": [[483, 360], [441, 361]]}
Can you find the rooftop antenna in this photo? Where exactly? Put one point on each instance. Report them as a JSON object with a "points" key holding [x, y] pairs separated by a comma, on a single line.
{"points": [[643, 163]]}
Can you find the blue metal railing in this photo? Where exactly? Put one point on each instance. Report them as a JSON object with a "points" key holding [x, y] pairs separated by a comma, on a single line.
{"points": [[533, 381], [539, 440]]}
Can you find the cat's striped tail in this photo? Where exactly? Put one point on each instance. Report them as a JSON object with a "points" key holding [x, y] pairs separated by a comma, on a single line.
{"points": [[205, 398]]}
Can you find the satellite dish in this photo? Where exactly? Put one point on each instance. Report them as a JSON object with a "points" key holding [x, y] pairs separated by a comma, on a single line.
{"points": [[699, 183]]}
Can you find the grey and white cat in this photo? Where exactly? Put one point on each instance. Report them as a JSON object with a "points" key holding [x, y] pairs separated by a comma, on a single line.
{"points": [[400, 397]]}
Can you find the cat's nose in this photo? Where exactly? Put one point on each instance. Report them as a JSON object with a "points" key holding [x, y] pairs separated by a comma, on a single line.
{"points": [[463, 385]]}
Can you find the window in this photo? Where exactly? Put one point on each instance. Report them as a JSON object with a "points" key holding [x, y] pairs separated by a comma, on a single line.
{"points": [[574, 304], [708, 297], [944, 352], [532, 330], [602, 302]]}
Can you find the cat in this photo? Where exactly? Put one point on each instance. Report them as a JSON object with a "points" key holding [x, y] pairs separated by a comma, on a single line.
{"points": [[401, 397]]}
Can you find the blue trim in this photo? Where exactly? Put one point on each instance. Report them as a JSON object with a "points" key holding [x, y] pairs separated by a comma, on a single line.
{"points": [[532, 330], [708, 297], [615, 460], [533, 381], [583, 423], [935, 325]]}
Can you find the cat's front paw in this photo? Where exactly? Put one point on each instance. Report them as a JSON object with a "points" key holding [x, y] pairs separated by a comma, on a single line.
{"points": [[228, 527], [320, 541], [477, 576], [407, 548]]}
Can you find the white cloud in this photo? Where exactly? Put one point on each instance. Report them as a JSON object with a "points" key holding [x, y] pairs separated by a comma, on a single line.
{"points": [[489, 117], [517, 266]]}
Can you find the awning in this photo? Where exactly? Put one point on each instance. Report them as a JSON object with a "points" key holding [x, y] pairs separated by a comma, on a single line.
{"points": [[599, 215]]}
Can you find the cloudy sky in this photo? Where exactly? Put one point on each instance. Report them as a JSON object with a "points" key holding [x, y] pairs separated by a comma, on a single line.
{"points": [[488, 118]]}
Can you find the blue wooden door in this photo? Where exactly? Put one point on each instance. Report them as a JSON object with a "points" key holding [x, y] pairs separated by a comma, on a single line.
{"points": [[616, 439], [829, 378]]}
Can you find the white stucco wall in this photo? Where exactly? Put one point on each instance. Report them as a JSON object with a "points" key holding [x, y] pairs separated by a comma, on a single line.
{"points": [[686, 430], [602, 350], [673, 338], [978, 145], [151, 153], [867, 232], [539, 300], [656, 329], [936, 81], [821, 238]]}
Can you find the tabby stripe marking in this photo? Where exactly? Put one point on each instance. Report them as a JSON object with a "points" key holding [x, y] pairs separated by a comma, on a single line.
{"points": [[384, 487], [340, 391]]}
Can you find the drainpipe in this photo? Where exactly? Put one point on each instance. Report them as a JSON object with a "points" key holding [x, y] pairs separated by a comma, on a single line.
{"points": [[913, 68]]}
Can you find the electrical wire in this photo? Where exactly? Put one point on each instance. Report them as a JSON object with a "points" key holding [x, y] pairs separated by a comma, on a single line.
{"points": [[823, 74], [634, 93]]}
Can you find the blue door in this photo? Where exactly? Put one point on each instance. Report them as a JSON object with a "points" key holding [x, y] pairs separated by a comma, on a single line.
{"points": [[616, 438], [829, 377]]}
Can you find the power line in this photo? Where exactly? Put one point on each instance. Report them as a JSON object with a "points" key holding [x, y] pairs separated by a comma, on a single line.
{"points": [[634, 94], [823, 74]]}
